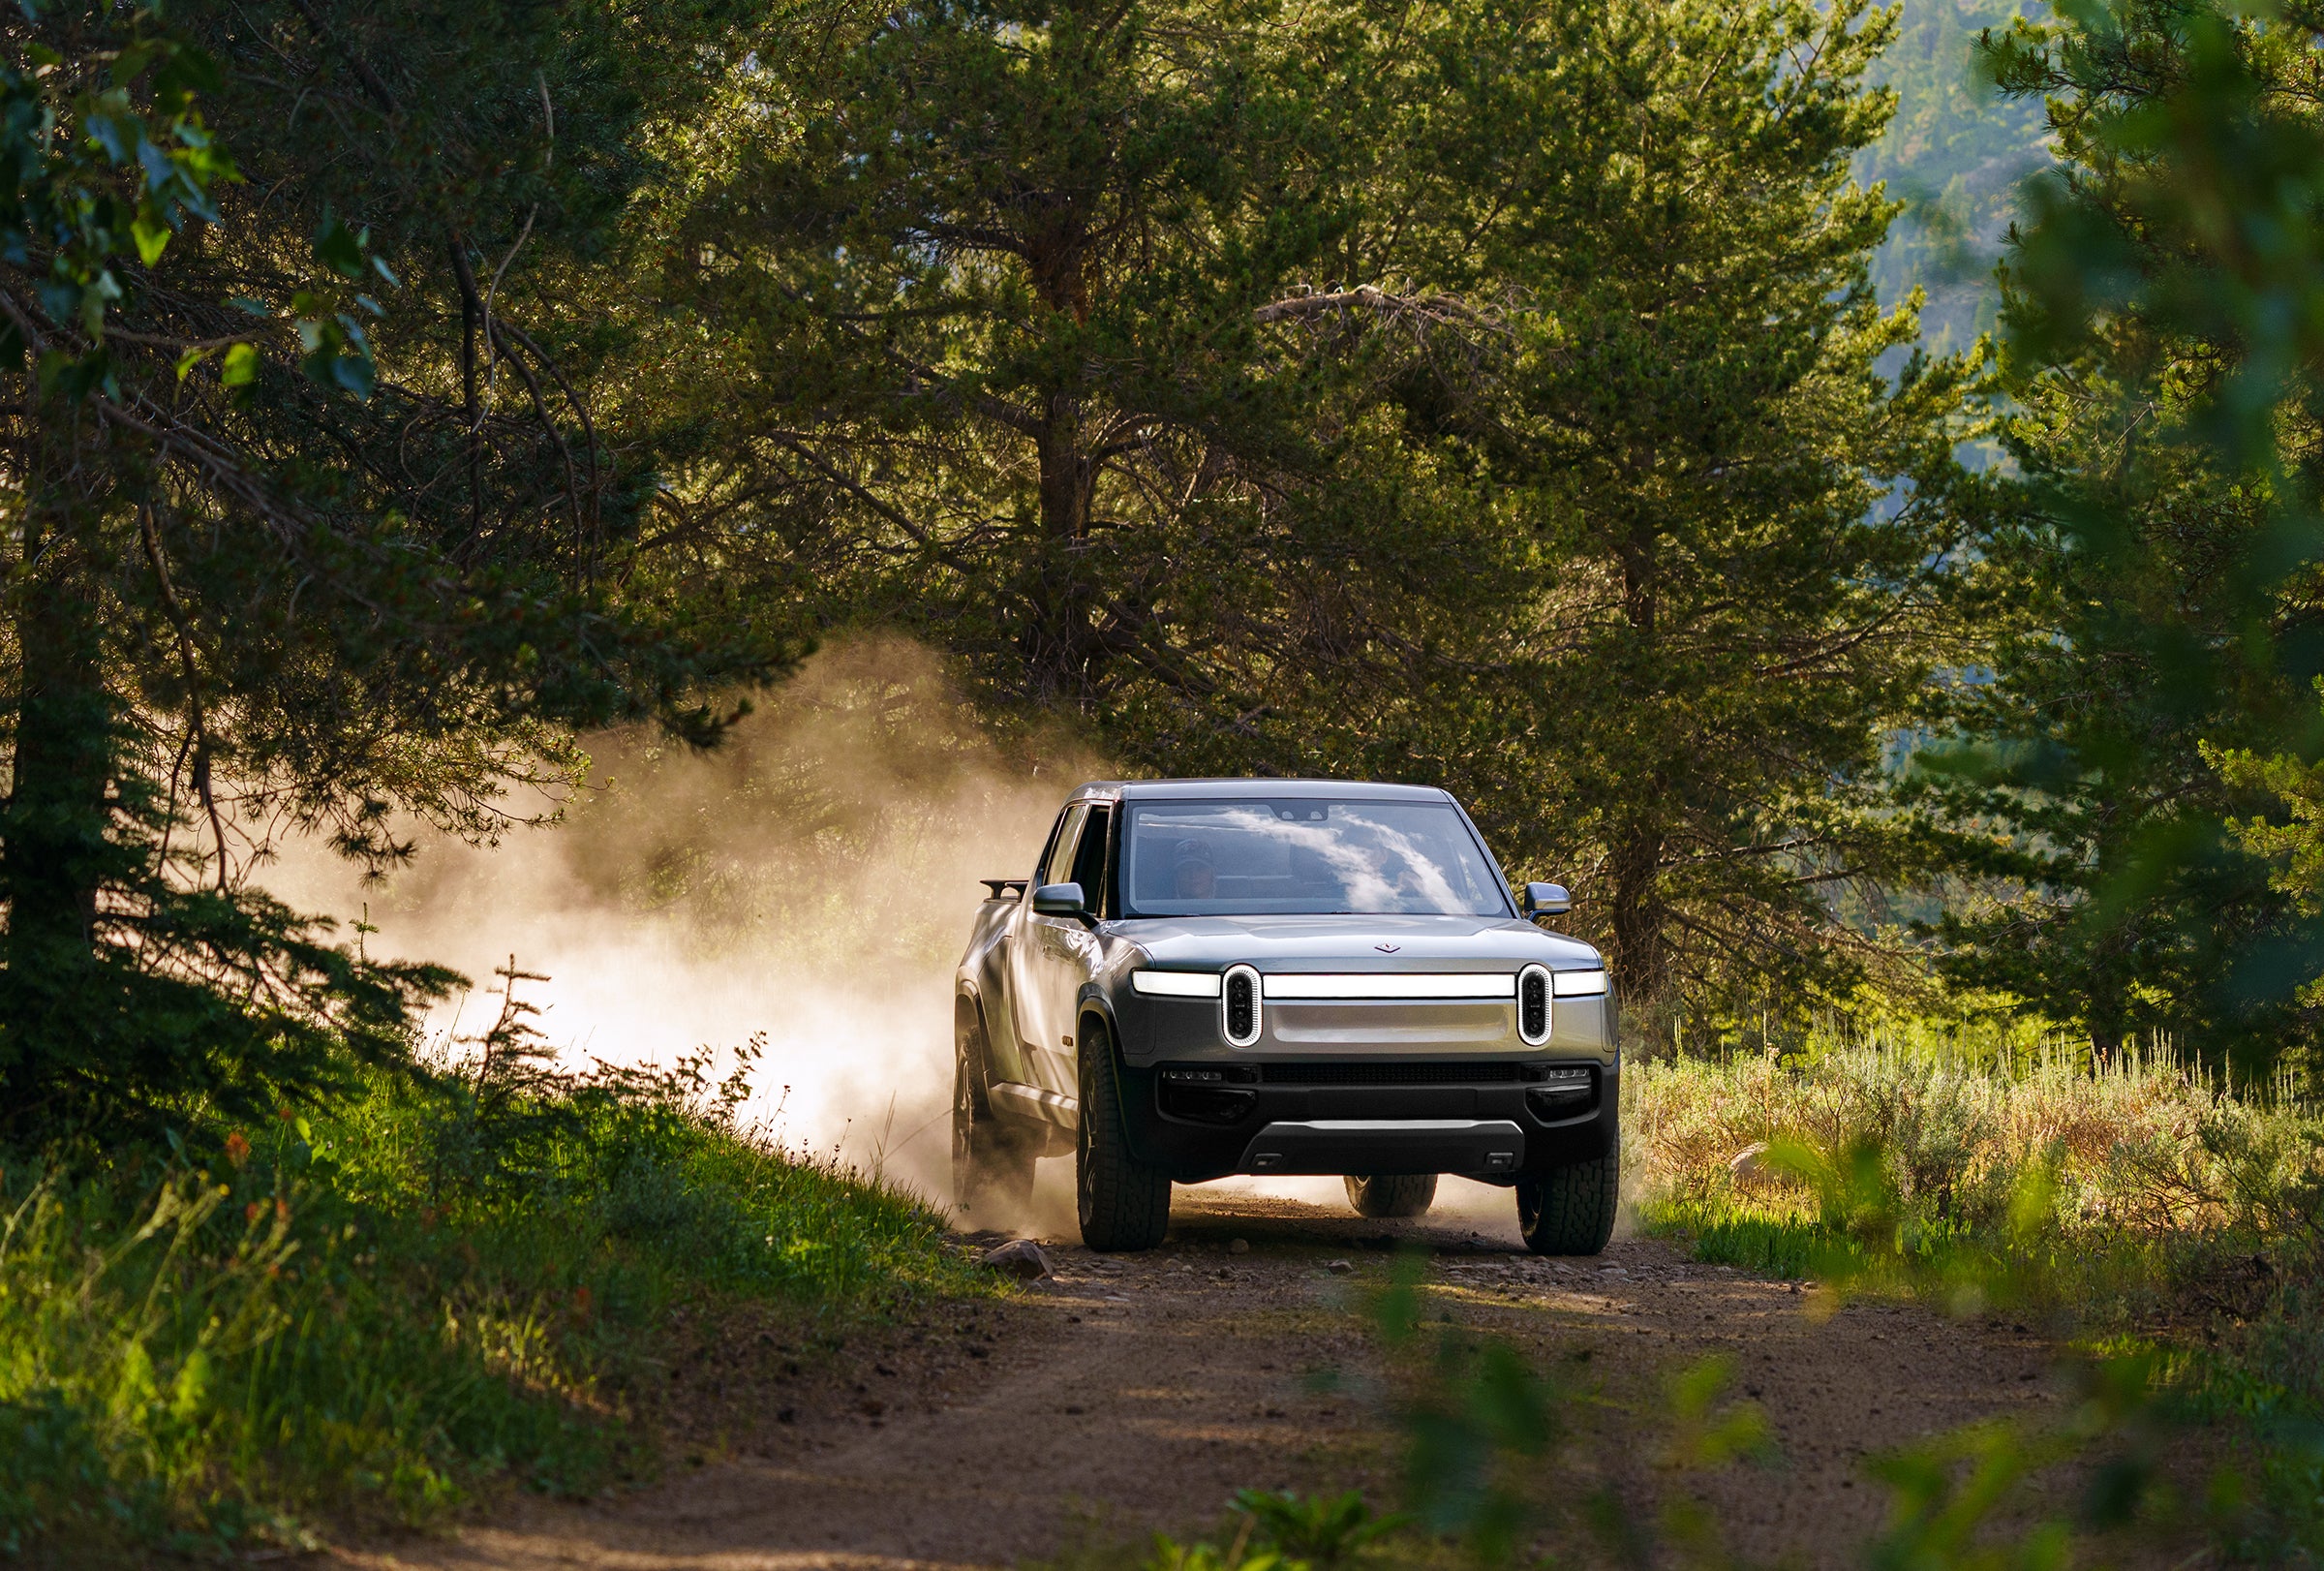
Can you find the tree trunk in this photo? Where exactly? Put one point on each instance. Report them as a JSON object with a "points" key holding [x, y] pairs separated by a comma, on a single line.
{"points": [[54, 849], [2105, 1044], [1640, 960], [1058, 642]]}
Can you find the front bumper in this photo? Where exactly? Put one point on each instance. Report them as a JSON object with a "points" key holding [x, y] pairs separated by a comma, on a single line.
{"points": [[1494, 1120]]}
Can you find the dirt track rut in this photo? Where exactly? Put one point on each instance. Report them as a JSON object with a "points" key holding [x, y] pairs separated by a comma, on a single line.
{"points": [[1138, 1392]]}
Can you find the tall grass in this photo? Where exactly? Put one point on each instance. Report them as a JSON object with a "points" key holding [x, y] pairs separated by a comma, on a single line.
{"points": [[2138, 1204], [2138, 1201], [368, 1315]]}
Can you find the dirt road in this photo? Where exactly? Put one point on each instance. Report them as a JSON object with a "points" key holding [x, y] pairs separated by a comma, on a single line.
{"points": [[1138, 1392]]}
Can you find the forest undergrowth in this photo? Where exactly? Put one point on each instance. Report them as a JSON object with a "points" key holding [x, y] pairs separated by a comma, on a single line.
{"points": [[455, 1281]]}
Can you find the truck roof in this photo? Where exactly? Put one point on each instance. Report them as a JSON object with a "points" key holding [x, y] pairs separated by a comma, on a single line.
{"points": [[1197, 789]]}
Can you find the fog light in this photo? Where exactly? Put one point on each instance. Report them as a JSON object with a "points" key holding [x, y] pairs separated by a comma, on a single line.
{"points": [[1561, 1092], [1184, 1097]]}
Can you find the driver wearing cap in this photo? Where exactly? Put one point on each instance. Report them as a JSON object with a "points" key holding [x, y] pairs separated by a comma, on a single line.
{"points": [[1192, 871]]}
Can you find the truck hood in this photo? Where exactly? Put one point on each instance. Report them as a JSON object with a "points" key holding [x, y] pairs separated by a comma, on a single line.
{"points": [[1303, 944]]}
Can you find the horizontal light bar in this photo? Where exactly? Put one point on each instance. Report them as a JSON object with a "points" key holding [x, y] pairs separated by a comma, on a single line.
{"points": [[1398, 1125], [1392, 985], [1576, 984], [1176, 984]]}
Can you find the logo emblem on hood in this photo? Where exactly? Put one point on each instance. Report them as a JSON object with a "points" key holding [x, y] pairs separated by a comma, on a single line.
{"points": [[1386, 948]]}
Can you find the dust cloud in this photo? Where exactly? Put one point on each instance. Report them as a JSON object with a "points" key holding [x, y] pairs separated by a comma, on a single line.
{"points": [[810, 881]]}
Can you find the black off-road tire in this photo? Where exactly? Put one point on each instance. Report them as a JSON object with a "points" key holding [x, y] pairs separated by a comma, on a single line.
{"points": [[1391, 1194], [1571, 1210], [992, 1163], [1122, 1203]]}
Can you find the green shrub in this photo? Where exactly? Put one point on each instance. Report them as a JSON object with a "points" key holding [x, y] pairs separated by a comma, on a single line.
{"points": [[2157, 1187]]}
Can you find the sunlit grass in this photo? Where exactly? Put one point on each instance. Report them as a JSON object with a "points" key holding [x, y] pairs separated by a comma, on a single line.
{"points": [[1780, 1242], [323, 1326], [2134, 1207]]}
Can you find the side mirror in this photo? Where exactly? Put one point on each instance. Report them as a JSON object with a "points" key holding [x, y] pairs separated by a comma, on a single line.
{"points": [[1546, 900], [1060, 900]]}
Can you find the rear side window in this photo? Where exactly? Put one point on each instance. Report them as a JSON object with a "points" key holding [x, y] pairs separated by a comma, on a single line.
{"points": [[1054, 868]]}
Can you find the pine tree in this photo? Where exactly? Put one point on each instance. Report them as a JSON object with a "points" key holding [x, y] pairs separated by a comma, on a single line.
{"points": [[1737, 474], [1049, 344], [2154, 575]]}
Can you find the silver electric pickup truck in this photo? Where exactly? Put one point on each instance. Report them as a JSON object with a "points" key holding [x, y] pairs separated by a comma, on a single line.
{"points": [[1205, 977]]}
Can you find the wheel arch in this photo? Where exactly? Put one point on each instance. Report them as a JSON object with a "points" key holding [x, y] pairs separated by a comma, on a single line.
{"points": [[968, 1015], [1095, 1004], [972, 1034]]}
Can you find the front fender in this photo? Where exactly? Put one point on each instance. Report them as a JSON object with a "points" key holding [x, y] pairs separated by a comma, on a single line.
{"points": [[1094, 1000], [1134, 1085]]}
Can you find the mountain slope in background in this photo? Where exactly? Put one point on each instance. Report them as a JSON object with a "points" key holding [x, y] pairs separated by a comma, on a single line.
{"points": [[1957, 151]]}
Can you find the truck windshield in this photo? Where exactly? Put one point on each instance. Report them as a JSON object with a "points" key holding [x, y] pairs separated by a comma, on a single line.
{"points": [[1305, 858]]}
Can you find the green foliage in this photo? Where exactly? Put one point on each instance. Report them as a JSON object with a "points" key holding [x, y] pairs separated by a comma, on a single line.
{"points": [[1282, 391], [2152, 576], [1270, 1531], [1167, 1554], [1705, 1434], [1478, 1423], [1492, 398], [100, 173], [1772, 1241], [2133, 1192], [1326, 1532], [2103, 886], [1948, 1491], [1956, 1498], [323, 1328], [1483, 1434], [1028, 297]]}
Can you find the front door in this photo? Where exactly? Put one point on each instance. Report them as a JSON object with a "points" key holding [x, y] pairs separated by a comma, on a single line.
{"points": [[1069, 953], [1033, 954]]}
